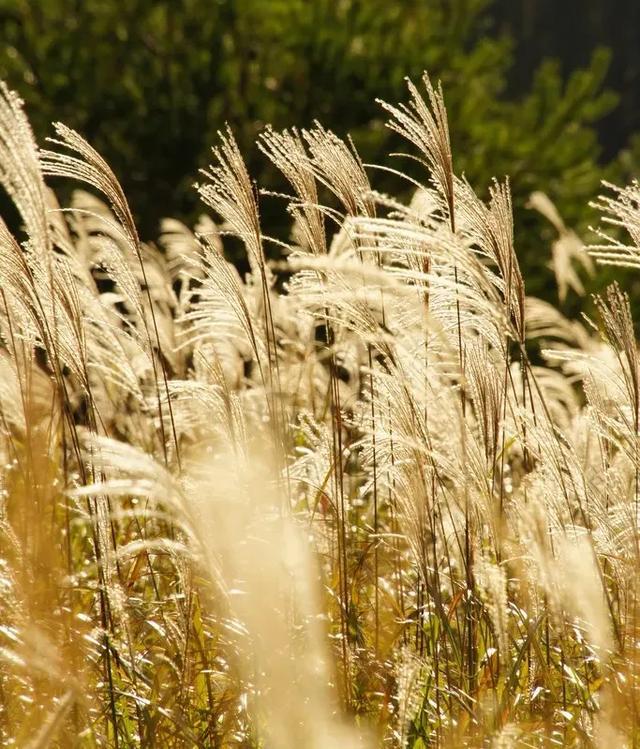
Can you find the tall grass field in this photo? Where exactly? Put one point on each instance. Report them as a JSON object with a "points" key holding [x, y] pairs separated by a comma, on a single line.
{"points": [[368, 494]]}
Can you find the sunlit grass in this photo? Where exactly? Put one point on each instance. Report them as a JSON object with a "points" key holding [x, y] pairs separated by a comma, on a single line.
{"points": [[394, 503]]}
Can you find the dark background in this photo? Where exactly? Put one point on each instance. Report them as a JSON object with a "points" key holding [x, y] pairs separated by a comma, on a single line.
{"points": [[545, 91], [568, 30]]}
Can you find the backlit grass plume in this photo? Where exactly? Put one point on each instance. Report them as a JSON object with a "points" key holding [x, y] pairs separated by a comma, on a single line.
{"points": [[368, 494]]}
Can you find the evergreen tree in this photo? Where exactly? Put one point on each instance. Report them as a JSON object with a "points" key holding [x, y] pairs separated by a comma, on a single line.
{"points": [[150, 82]]}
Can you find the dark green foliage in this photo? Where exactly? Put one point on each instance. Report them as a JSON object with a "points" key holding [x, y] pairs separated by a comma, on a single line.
{"points": [[149, 82]]}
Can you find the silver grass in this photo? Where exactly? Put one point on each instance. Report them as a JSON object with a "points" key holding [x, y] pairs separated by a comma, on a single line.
{"points": [[267, 510]]}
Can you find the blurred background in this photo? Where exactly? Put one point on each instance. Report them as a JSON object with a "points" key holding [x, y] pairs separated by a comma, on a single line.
{"points": [[544, 91]]}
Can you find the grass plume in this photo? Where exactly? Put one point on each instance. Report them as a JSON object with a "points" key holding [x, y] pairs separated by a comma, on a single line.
{"points": [[369, 494]]}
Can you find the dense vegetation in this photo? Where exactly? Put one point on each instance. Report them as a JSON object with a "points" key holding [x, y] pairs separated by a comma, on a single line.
{"points": [[392, 503], [150, 87]]}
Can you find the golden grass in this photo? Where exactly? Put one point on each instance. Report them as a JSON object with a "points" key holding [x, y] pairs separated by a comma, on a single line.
{"points": [[394, 504]]}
